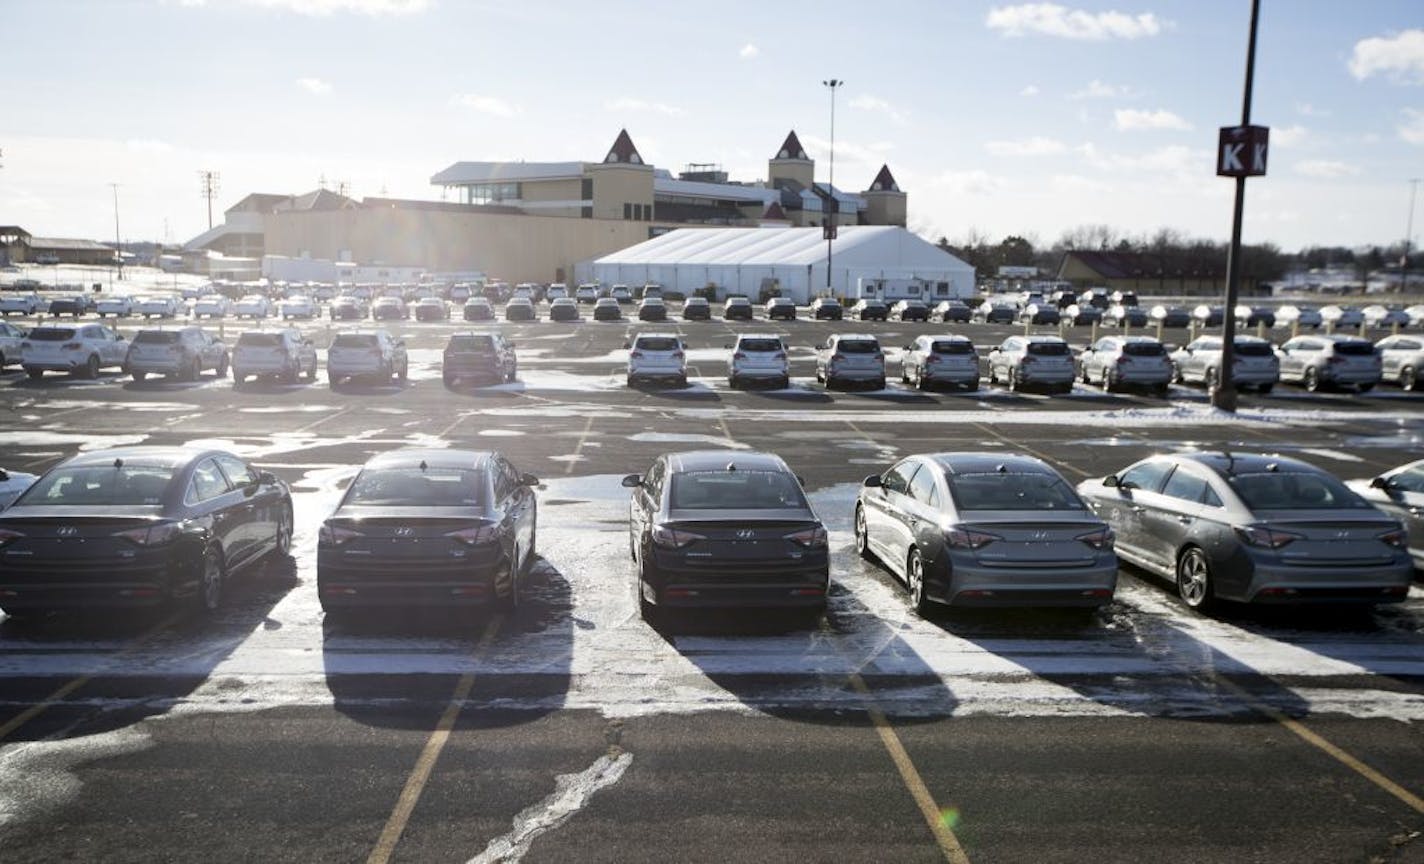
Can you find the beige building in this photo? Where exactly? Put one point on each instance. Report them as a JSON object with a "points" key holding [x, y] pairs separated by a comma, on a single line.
{"points": [[1149, 274]]}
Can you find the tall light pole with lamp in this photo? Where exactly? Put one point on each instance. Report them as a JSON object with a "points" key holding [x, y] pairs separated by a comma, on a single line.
{"points": [[1408, 237], [118, 247], [830, 228]]}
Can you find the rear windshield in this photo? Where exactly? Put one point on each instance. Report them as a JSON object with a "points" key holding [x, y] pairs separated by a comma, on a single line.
{"points": [[657, 343], [858, 346], [259, 340], [1012, 492], [953, 347], [871, 304], [725, 490], [156, 337], [1354, 349], [1144, 349], [413, 487], [1048, 349], [1277, 490], [1253, 349], [51, 334], [827, 302], [738, 301], [760, 345], [100, 485], [355, 340], [471, 343]]}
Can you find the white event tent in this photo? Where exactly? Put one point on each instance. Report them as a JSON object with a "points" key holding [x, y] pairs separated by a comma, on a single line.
{"points": [[743, 260]]}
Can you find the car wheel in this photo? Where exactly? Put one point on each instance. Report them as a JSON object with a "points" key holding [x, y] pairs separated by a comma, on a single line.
{"points": [[1109, 385], [195, 371], [1014, 382], [139, 376], [972, 386], [1408, 379], [1311, 380], [1365, 388], [862, 534], [1265, 389], [682, 381], [283, 547], [333, 381], [1209, 379], [210, 586], [404, 372], [1161, 390], [448, 379], [311, 375], [222, 366], [1194, 580], [915, 582], [510, 601], [91, 367]]}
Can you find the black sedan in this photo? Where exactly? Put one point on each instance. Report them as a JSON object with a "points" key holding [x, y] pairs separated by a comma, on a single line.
{"points": [[725, 529], [432, 528], [139, 527]]}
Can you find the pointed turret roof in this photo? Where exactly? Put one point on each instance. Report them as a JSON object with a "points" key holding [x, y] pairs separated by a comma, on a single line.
{"points": [[623, 150], [884, 181], [791, 148], [774, 211]]}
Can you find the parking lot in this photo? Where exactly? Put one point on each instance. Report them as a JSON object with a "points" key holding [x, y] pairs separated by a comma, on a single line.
{"points": [[571, 729]]}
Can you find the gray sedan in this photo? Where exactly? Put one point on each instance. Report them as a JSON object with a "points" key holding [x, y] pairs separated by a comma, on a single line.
{"points": [[985, 529], [1252, 528], [1400, 493]]}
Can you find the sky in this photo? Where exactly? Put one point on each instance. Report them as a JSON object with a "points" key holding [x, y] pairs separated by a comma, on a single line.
{"points": [[996, 118]]}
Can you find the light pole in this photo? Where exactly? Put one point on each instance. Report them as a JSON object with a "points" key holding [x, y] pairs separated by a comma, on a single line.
{"points": [[830, 229], [118, 249], [1408, 236]]}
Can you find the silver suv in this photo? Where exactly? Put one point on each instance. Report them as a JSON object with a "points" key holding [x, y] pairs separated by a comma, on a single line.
{"points": [[932, 360], [850, 357], [1334, 361], [282, 354], [759, 358], [373, 354], [1255, 364], [1033, 361], [657, 357], [1401, 359], [182, 353], [1116, 362]]}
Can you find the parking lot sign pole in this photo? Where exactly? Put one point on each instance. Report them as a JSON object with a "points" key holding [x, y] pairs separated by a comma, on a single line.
{"points": [[831, 208], [1241, 153]]}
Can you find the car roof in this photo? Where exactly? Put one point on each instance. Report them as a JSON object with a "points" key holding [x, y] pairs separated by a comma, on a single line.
{"points": [[1040, 339], [848, 337], [988, 463], [947, 337], [1227, 463], [728, 460], [410, 457], [657, 334], [151, 455]]}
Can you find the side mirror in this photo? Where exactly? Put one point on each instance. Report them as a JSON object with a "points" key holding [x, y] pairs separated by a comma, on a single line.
{"points": [[1111, 481], [871, 482], [726, 346], [627, 344], [5, 475], [266, 478], [633, 481], [528, 480], [801, 480], [1381, 483]]}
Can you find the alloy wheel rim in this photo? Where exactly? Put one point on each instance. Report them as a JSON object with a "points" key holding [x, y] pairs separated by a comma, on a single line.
{"points": [[1193, 579], [212, 584], [917, 579], [861, 537]]}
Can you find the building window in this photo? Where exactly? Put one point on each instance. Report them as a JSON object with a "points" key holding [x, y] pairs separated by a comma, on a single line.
{"points": [[491, 193], [627, 210]]}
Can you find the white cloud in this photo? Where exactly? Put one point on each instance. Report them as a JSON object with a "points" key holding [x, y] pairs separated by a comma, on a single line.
{"points": [[485, 104], [748, 51], [1401, 57], [1100, 90], [628, 103], [321, 8], [1412, 128], [314, 86], [874, 103], [1129, 119], [1035, 146], [1076, 184], [1326, 168], [1289, 136], [851, 156], [1029, 90], [1305, 109], [975, 182], [1051, 19], [1176, 161]]}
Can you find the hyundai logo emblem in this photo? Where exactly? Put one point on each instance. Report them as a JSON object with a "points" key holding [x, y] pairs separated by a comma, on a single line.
{"points": [[66, 531], [405, 532], [746, 534]]}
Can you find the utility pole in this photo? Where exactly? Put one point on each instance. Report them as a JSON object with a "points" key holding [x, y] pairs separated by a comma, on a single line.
{"points": [[209, 181], [1241, 154], [830, 229], [1408, 238], [118, 247]]}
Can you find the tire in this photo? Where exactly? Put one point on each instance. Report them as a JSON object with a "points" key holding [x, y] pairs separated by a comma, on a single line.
{"points": [[195, 371], [209, 596], [880, 384], [1365, 388], [222, 366], [449, 380], [785, 383], [139, 376], [291, 375], [915, 583], [1109, 385], [283, 547], [510, 602], [1014, 383], [1311, 380], [1209, 380], [1161, 391], [332, 380], [972, 386], [311, 376], [1194, 580], [1408, 378], [862, 535], [650, 613], [732, 382], [1265, 389], [91, 368], [404, 370]]}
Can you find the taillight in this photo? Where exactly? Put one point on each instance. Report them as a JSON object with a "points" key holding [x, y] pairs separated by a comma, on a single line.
{"points": [[1123, 360], [1100, 539], [636, 355], [811, 538], [677, 355], [738, 355], [7, 536], [475, 536], [1268, 538], [673, 538], [933, 358], [335, 535], [966, 538], [153, 535], [1396, 537]]}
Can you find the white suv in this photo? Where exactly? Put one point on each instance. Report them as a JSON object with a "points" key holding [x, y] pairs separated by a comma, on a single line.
{"points": [[182, 353], [759, 358], [157, 306], [932, 360], [79, 350], [657, 357], [1033, 361], [371, 354], [283, 354], [851, 357], [10, 339]]}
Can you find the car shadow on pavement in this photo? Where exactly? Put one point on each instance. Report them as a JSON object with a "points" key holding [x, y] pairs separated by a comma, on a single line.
{"points": [[63, 380], [363, 388], [399, 669], [135, 664]]}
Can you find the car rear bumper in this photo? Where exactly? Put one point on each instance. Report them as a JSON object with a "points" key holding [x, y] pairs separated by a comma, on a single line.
{"points": [[797, 587], [380, 583], [970, 585], [1285, 584]]}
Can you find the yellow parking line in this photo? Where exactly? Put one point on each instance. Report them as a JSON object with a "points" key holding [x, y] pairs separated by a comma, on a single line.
{"points": [[420, 774], [943, 834], [1318, 741], [30, 713], [578, 448]]}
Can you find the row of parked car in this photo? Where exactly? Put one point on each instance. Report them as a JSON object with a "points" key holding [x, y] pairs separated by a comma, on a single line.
{"points": [[447, 528]]}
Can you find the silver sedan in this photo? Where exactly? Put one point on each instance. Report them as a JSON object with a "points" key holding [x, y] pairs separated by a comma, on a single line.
{"points": [[1400, 493], [985, 529], [1253, 529]]}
